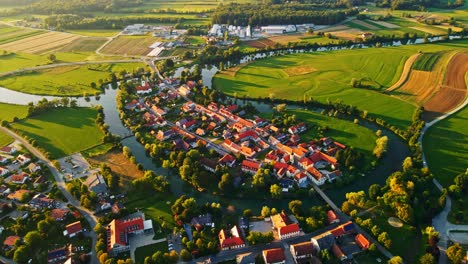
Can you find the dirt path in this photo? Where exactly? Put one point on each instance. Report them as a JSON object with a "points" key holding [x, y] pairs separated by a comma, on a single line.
{"points": [[404, 75]]}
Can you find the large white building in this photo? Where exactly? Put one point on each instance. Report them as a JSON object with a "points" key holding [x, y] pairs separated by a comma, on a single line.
{"points": [[279, 29]]}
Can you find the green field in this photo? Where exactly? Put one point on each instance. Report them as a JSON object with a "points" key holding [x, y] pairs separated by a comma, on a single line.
{"points": [[88, 44], [10, 34], [9, 111], [64, 131], [64, 81], [148, 251], [446, 147], [426, 61], [343, 131], [5, 139], [327, 75]]}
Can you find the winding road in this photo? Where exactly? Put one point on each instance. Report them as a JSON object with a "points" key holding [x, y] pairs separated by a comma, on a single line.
{"points": [[88, 215], [440, 222]]}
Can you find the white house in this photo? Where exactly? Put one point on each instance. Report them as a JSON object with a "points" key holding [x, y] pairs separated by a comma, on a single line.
{"points": [[4, 171]]}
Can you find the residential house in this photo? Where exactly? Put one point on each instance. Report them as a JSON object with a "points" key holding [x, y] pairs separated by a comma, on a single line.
{"points": [[3, 160], [231, 240], [4, 171], [18, 195], [288, 231], [323, 241], [165, 135], [346, 228], [59, 255], [181, 144], [10, 241], [132, 105], [20, 178], [250, 166], [208, 164], [362, 241], [305, 163], [39, 180], [295, 138], [158, 111], [144, 89], [33, 167], [4, 190], [190, 124], [96, 183], [302, 252], [59, 214], [301, 180], [338, 253], [42, 201], [17, 214], [332, 218], [73, 229], [316, 176], [8, 150], [200, 131], [274, 256], [284, 226], [119, 229], [201, 221], [23, 159], [247, 152], [227, 160], [184, 90]]}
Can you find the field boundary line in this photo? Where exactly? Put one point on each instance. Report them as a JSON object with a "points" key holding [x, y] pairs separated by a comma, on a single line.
{"points": [[405, 73]]}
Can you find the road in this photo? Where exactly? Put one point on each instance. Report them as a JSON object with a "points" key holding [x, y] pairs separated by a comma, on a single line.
{"points": [[440, 222], [88, 215]]}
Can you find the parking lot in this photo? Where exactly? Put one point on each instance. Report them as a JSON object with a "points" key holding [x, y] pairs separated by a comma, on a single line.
{"points": [[260, 226], [76, 166]]}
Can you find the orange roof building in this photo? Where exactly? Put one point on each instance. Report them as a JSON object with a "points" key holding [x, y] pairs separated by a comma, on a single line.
{"points": [[274, 256]]}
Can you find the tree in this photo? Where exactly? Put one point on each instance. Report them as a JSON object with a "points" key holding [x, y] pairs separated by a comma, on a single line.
{"points": [[21, 255], [296, 207], [248, 213], [407, 164], [455, 253], [33, 239], [275, 191], [381, 146], [374, 192], [185, 255], [265, 211], [395, 260], [52, 58], [427, 259], [43, 226]]}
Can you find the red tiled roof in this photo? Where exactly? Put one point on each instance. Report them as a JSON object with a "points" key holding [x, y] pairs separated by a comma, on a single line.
{"points": [[250, 164], [338, 144], [59, 213], [300, 175], [19, 177], [304, 248], [74, 228], [337, 251], [331, 216], [292, 228], [338, 231], [314, 172], [10, 241], [362, 241], [274, 255], [280, 165], [119, 228], [227, 158]]}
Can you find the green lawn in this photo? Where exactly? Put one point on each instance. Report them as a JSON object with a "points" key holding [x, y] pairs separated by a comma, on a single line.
{"points": [[327, 75], [9, 111], [446, 147], [154, 206], [343, 131], [64, 81], [148, 251], [63, 131]]}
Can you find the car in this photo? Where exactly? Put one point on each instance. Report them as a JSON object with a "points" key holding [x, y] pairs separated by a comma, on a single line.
{"points": [[170, 248]]}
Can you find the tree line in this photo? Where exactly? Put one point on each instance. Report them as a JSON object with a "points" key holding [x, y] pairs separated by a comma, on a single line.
{"points": [[265, 14], [418, 4]]}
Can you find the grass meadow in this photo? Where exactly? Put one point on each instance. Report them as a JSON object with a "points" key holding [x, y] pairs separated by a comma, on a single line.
{"points": [[64, 81], [327, 75], [62, 132], [446, 147], [10, 111], [5, 139]]}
